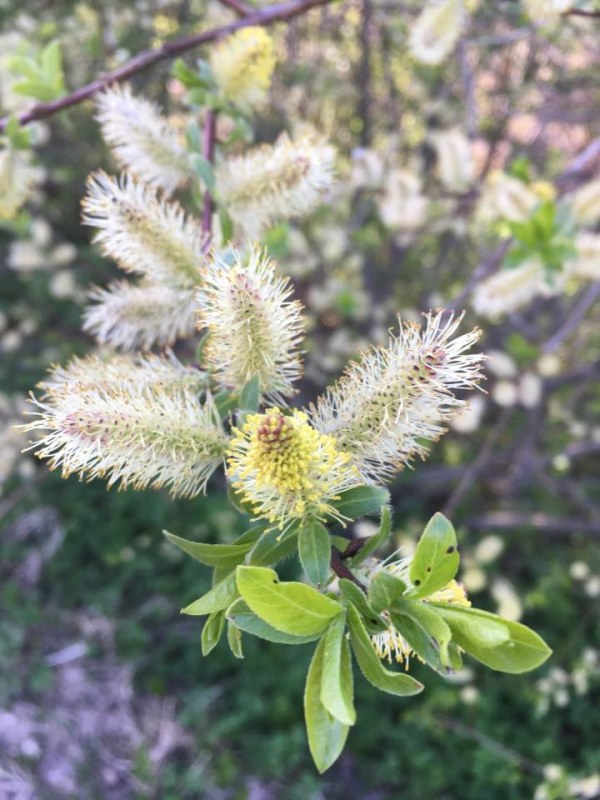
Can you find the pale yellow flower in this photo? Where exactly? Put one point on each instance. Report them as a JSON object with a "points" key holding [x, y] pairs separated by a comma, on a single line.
{"points": [[285, 469], [243, 65]]}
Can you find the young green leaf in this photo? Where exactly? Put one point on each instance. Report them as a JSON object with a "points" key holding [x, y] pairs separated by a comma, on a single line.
{"points": [[361, 501], [234, 639], [273, 546], [337, 685], [314, 549], [498, 643], [375, 542], [425, 631], [250, 395], [212, 631], [396, 683], [436, 558], [326, 735], [204, 169], [289, 607], [219, 597], [384, 590], [246, 620], [214, 555], [350, 593]]}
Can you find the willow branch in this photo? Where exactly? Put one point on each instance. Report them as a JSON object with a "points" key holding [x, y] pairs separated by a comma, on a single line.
{"points": [[264, 17], [240, 8]]}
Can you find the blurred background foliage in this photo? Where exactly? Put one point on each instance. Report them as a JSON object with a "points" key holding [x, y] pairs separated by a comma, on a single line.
{"points": [[104, 693]]}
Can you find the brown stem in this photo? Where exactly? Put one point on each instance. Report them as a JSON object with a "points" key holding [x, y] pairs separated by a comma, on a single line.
{"points": [[147, 58], [579, 12], [341, 570], [208, 151], [240, 8]]}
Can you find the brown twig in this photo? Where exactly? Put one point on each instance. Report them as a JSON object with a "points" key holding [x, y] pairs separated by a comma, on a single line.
{"points": [[240, 8], [340, 569], [577, 313], [580, 12], [263, 17], [543, 523]]}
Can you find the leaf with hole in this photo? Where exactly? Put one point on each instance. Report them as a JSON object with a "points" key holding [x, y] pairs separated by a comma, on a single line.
{"points": [[289, 607], [436, 559]]}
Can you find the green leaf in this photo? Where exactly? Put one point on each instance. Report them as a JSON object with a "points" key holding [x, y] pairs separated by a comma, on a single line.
{"points": [[204, 169], [219, 597], [246, 620], [226, 226], [212, 631], [314, 549], [18, 136], [289, 607], [214, 555], [250, 395], [337, 684], [190, 78], [326, 735], [361, 501], [425, 631], [436, 558], [376, 541], [498, 643], [371, 667], [384, 590], [51, 63], [234, 640], [36, 89], [350, 593], [273, 546]]}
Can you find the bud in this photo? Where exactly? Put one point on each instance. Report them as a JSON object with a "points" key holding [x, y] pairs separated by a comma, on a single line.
{"points": [[585, 203], [436, 31], [272, 182], [140, 317], [455, 166], [143, 232], [243, 65], [511, 289], [394, 398], [586, 263], [254, 328], [142, 140], [505, 197], [144, 437], [17, 179]]}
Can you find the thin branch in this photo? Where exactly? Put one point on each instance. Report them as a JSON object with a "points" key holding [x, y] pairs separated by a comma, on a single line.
{"points": [[341, 570], [240, 8], [263, 17], [577, 313], [542, 523], [470, 476], [580, 12]]}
